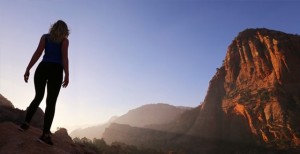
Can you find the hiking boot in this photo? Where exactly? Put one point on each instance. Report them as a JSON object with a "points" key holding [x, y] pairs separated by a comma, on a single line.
{"points": [[45, 138], [23, 127]]}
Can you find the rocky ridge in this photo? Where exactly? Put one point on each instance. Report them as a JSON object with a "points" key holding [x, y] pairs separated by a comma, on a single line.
{"points": [[5, 102], [9, 113], [14, 141]]}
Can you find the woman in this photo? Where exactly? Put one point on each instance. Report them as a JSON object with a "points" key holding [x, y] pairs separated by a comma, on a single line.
{"points": [[49, 72]]}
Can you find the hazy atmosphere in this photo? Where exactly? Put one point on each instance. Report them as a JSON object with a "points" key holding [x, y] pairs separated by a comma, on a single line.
{"points": [[127, 53]]}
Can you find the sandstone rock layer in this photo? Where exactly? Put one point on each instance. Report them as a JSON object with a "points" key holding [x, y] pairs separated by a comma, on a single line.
{"points": [[255, 95]]}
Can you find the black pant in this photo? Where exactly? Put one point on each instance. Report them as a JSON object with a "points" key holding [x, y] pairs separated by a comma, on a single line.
{"points": [[50, 74]]}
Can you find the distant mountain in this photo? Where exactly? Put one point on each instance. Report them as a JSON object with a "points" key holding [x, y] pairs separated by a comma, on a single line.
{"points": [[151, 114], [252, 101], [144, 116], [91, 132]]}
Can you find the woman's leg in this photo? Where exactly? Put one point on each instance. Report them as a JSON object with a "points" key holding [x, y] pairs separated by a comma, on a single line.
{"points": [[53, 88], [40, 81]]}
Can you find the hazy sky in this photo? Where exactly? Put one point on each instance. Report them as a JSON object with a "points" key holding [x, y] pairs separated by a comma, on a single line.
{"points": [[127, 53]]}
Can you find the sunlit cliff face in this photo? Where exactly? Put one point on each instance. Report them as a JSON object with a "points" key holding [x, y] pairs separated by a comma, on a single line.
{"points": [[255, 95]]}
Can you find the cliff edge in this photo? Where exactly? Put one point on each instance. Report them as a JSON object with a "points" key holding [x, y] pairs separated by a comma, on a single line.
{"points": [[254, 96]]}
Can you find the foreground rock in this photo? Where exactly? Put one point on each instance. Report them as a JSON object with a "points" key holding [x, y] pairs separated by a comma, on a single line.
{"points": [[9, 113], [13, 141], [5, 102]]}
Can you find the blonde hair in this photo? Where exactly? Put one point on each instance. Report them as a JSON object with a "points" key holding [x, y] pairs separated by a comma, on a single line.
{"points": [[58, 31]]}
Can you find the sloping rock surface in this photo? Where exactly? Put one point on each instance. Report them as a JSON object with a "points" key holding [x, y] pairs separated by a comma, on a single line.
{"points": [[5, 102], [13, 141]]}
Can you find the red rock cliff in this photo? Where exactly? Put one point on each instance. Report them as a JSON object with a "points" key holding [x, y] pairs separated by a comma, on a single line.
{"points": [[255, 96]]}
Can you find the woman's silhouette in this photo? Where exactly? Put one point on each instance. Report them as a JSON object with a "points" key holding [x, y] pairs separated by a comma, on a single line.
{"points": [[49, 72]]}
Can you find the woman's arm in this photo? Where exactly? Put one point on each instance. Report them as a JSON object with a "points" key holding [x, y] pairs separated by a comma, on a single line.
{"points": [[65, 61], [37, 54]]}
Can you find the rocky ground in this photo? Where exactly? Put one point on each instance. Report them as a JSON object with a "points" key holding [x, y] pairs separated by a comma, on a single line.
{"points": [[13, 141]]}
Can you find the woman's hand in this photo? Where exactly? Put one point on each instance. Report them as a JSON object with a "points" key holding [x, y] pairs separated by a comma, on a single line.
{"points": [[26, 76], [65, 61], [65, 82]]}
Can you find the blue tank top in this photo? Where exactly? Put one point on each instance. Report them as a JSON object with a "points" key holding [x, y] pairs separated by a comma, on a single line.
{"points": [[52, 51]]}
